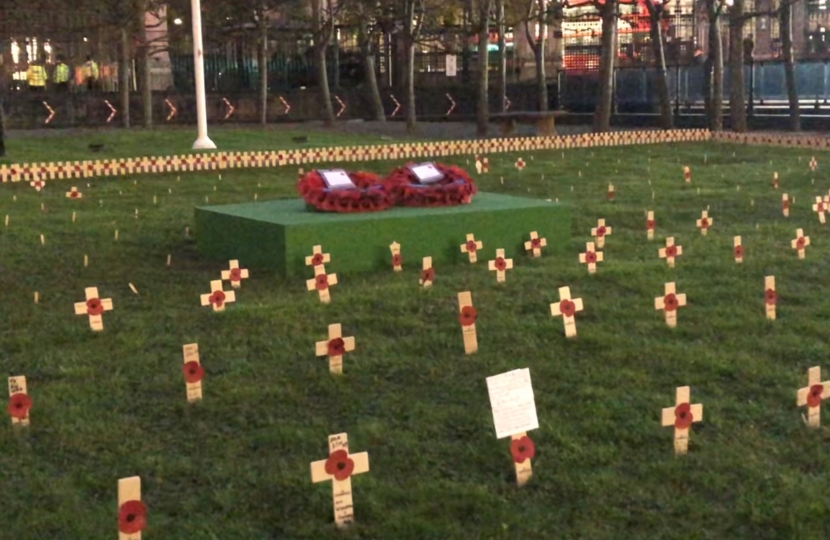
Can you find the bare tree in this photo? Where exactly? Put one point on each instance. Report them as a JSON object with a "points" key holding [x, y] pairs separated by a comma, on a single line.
{"points": [[502, 79], [713, 67], [537, 16], [483, 105], [322, 14], [737, 97], [365, 15], [413, 22], [656, 10], [785, 20], [605, 101]]}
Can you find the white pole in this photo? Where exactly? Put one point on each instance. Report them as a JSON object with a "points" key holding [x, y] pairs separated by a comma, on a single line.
{"points": [[203, 142]]}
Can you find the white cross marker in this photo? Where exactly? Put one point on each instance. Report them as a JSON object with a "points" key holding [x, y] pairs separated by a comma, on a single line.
{"points": [[669, 303], [322, 282], [599, 232], [591, 257], [471, 246], [681, 416], [500, 265], [670, 251], [567, 307], [800, 242], [335, 347], [535, 244], [704, 222], [339, 468], [94, 307]]}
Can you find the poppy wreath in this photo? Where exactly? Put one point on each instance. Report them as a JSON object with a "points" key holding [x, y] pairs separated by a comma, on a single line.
{"points": [[454, 189], [370, 195]]}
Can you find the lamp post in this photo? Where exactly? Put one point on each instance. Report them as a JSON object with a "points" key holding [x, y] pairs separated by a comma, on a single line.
{"points": [[203, 142]]}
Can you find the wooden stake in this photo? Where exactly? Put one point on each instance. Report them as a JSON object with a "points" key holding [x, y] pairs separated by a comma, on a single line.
{"points": [[19, 401], [812, 395], [785, 205], [770, 296], [131, 511], [567, 308], [339, 468], [335, 347], [467, 318], [427, 273], [669, 304], [193, 372], [37, 297], [681, 416], [397, 260], [738, 250], [500, 265], [610, 192], [650, 225]]}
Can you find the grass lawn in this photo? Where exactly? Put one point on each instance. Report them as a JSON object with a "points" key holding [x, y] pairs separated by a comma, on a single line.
{"points": [[119, 143], [236, 466]]}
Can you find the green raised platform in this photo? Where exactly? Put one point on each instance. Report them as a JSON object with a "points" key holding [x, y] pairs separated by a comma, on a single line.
{"points": [[278, 235]]}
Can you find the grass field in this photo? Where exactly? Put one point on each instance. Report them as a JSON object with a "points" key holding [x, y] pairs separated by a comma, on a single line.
{"points": [[169, 141], [236, 466]]}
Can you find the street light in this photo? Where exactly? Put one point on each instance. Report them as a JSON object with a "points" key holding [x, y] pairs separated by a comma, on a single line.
{"points": [[203, 142]]}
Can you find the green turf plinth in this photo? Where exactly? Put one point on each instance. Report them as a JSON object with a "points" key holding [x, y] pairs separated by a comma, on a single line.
{"points": [[278, 235]]}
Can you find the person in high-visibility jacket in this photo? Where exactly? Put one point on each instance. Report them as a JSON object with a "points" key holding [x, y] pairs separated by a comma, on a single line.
{"points": [[91, 73], [61, 75], [36, 76]]}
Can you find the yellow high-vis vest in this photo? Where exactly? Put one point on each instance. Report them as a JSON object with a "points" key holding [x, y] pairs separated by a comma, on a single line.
{"points": [[36, 76], [61, 74]]}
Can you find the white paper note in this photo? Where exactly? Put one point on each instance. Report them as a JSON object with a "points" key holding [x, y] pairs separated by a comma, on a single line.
{"points": [[427, 173], [337, 179], [511, 398]]}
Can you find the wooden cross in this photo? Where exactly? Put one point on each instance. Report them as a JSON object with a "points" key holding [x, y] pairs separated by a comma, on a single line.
{"points": [[427, 273], [485, 165], [738, 249], [235, 274], [669, 303], [687, 174], [567, 307], [339, 468], [591, 257], [38, 185], [317, 257], [321, 283], [94, 307], [813, 164], [520, 164], [19, 401], [610, 192], [73, 193], [770, 296], [479, 165], [785, 205], [535, 244], [650, 225], [335, 347], [704, 222], [681, 416], [599, 232], [193, 372], [775, 180], [397, 261], [467, 317], [217, 298], [812, 395], [471, 246], [670, 251], [132, 514], [800, 243], [819, 208], [500, 265]]}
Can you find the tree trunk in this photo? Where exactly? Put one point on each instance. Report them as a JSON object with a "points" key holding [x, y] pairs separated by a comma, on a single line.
{"points": [[483, 108], [263, 74], [142, 59], [715, 59], [502, 88], [2, 130], [411, 120], [785, 14], [737, 98], [541, 73], [374, 90], [124, 78], [666, 119], [602, 114], [320, 45]]}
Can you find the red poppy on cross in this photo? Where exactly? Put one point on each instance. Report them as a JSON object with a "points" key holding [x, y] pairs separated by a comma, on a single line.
{"points": [[535, 244], [339, 468], [775, 180], [427, 273], [235, 274], [650, 225], [317, 257], [471, 246], [467, 317], [813, 164], [800, 243], [704, 222], [770, 296], [94, 306], [785, 205], [19, 401], [610, 192], [591, 257], [687, 174], [669, 303], [600, 232], [820, 208], [397, 260], [321, 283], [567, 308], [738, 250], [132, 514], [681, 417], [335, 347], [193, 372], [217, 298], [812, 395], [73, 193], [520, 164], [500, 265], [37, 184], [670, 251], [522, 450]]}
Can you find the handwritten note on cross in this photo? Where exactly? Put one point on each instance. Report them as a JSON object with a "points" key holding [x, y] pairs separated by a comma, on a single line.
{"points": [[234, 274], [600, 232], [770, 296], [737, 250], [800, 243], [500, 265], [812, 395], [427, 273], [317, 257], [339, 468], [471, 246], [514, 414], [94, 306], [650, 225], [669, 303], [704, 223], [670, 251], [591, 257], [681, 416], [467, 317], [217, 298], [535, 244], [567, 308], [193, 372], [335, 347], [321, 283], [19, 401], [397, 261]]}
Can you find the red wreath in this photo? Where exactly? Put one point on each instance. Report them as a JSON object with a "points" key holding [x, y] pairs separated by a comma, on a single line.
{"points": [[455, 188], [370, 194]]}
